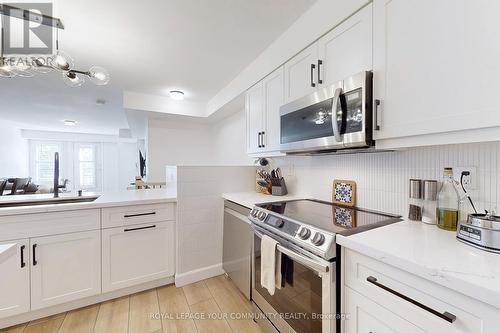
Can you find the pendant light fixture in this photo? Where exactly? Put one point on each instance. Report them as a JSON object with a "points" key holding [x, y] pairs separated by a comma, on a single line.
{"points": [[60, 61]]}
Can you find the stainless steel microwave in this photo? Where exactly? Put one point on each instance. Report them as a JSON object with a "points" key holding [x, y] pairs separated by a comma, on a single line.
{"points": [[330, 119]]}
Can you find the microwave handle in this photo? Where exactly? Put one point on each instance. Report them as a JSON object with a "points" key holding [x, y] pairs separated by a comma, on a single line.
{"points": [[335, 125]]}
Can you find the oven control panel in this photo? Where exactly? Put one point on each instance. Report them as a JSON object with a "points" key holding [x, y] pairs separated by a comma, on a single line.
{"points": [[307, 237]]}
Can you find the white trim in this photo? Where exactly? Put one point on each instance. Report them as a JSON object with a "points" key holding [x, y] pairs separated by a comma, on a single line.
{"points": [[198, 275], [33, 315]]}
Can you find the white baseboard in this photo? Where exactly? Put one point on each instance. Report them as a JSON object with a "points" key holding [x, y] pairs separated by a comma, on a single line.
{"points": [[37, 314], [198, 275]]}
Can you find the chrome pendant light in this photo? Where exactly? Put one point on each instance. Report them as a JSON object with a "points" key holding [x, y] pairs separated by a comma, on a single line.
{"points": [[60, 61]]}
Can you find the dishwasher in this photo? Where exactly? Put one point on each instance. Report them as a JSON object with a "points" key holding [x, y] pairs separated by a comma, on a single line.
{"points": [[237, 246]]}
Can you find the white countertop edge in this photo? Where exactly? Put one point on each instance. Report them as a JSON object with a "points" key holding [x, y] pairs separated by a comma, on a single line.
{"points": [[250, 199], [6, 251], [443, 278], [111, 199]]}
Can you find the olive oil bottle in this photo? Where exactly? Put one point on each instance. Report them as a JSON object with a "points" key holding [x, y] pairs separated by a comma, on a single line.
{"points": [[448, 201]]}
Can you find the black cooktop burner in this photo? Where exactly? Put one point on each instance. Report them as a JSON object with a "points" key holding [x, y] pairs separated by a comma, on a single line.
{"points": [[327, 216]]}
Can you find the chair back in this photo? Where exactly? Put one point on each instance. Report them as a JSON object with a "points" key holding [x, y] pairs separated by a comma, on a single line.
{"points": [[19, 185], [3, 183]]}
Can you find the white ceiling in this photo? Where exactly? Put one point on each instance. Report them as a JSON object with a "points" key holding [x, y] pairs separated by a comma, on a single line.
{"points": [[148, 46]]}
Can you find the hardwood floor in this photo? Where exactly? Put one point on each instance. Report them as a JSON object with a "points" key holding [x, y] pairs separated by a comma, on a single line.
{"points": [[213, 305]]}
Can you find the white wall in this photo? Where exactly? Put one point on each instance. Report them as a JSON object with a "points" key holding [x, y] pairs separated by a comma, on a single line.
{"points": [[199, 216], [230, 140], [175, 143], [14, 152], [382, 178], [185, 143]]}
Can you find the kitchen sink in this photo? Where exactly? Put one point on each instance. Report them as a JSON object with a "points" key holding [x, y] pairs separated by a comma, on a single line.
{"points": [[47, 201]]}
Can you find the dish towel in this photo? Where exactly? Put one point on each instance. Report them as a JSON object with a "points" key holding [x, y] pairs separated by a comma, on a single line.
{"points": [[270, 265]]}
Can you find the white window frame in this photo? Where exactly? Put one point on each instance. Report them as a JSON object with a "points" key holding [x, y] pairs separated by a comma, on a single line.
{"points": [[97, 187], [33, 161]]}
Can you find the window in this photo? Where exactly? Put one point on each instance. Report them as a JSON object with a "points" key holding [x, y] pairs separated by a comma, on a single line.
{"points": [[44, 161], [86, 166]]}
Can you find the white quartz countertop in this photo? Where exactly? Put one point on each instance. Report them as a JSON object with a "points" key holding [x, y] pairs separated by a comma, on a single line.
{"points": [[249, 199], [6, 251], [106, 199], [433, 254]]}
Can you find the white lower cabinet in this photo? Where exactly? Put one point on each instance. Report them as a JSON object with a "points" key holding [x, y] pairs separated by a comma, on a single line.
{"points": [[136, 254], [15, 280], [382, 298], [366, 316], [65, 268]]}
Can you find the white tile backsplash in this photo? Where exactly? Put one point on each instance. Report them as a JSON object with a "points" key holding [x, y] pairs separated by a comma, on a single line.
{"points": [[200, 211], [382, 178]]}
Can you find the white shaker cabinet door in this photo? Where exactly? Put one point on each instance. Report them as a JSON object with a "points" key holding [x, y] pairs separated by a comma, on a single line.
{"points": [[273, 100], [301, 73], [365, 316], [254, 108], [65, 268], [436, 66], [347, 49], [137, 254], [14, 280]]}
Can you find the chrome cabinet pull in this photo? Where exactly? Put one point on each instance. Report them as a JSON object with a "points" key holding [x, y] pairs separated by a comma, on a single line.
{"points": [[263, 144], [445, 315], [377, 104], [313, 66]]}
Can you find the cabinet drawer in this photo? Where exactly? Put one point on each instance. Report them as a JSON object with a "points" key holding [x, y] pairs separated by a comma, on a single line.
{"points": [[137, 254], [129, 215], [421, 302], [364, 315], [45, 224]]}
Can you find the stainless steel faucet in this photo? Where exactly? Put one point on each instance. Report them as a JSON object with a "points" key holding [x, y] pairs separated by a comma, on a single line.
{"points": [[56, 175]]}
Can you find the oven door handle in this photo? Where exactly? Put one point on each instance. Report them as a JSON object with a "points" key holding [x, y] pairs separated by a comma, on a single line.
{"points": [[308, 262], [335, 125]]}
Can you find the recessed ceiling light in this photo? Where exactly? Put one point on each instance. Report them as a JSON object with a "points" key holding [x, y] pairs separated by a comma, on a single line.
{"points": [[176, 95], [70, 122]]}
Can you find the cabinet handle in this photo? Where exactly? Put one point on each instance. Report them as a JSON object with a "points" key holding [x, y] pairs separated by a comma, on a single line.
{"points": [[22, 256], [313, 66], [263, 140], [140, 228], [320, 62], [141, 214], [34, 255], [377, 104], [259, 140], [445, 315]]}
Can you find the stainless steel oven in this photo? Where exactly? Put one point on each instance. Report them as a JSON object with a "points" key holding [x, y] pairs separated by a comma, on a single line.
{"points": [[306, 302], [333, 118]]}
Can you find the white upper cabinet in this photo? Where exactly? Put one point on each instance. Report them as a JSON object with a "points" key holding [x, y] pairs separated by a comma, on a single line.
{"points": [[254, 108], [15, 281], [65, 268], [273, 100], [301, 73], [262, 105], [436, 66], [347, 49]]}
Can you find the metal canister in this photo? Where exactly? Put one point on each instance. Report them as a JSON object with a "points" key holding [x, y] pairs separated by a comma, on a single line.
{"points": [[430, 189], [415, 202]]}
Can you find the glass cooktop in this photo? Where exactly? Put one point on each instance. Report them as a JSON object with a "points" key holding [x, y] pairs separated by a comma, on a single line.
{"points": [[327, 216]]}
